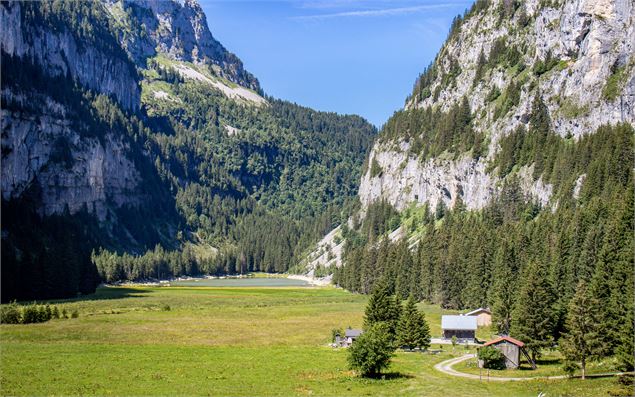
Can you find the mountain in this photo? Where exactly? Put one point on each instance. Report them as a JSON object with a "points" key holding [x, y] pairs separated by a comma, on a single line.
{"points": [[134, 145], [508, 171], [576, 57]]}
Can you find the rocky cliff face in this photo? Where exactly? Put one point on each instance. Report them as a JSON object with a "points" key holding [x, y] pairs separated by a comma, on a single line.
{"points": [[72, 172], [576, 55], [61, 52], [178, 30], [100, 47]]}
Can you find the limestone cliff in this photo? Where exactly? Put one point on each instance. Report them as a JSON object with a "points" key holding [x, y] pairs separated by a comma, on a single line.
{"points": [[94, 61], [576, 55], [178, 30]]}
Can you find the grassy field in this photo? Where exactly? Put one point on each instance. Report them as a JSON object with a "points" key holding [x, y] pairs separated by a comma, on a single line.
{"points": [[549, 364], [226, 341]]}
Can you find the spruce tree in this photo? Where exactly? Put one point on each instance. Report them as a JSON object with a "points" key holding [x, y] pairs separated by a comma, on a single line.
{"points": [[581, 342], [533, 314], [413, 330], [503, 293], [382, 307]]}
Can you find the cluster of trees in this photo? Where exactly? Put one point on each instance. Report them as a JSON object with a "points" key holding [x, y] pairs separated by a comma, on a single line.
{"points": [[432, 131], [388, 324], [525, 262], [32, 313]]}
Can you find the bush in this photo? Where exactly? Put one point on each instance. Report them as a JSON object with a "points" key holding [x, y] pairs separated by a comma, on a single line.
{"points": [[166, 308], [75, 314], [30, 314], [10, 314], [569, 368], [492, 358], [372, 351]]}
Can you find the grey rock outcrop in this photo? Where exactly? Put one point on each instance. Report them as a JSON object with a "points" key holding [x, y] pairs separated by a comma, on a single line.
{"points": [[592, 39], [175, 29], [61, 53], [94, 174]]}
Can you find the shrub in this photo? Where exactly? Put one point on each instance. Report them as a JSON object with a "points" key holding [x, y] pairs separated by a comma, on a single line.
{"points": [[492, 357], [10, 314], [30, 314], [372, 351], [166, 308], [614, 84], [75, 314], [375, 169]]}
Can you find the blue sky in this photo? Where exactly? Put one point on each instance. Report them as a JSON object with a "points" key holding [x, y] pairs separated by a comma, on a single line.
{"points": [[347, 56]]}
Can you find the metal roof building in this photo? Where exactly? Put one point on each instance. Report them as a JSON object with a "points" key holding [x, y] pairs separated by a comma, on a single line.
{"points": [[463, 327]]}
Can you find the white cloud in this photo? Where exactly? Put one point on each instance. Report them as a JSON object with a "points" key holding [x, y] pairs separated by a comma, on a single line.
{"points": [[381, 11]]}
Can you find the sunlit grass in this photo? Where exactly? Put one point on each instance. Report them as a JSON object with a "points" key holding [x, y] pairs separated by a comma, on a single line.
{"points": [[225, 341]]}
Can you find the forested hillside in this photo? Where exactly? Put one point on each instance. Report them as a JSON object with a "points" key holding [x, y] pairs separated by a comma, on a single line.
{"points": [[509, 174], [119, 138]]}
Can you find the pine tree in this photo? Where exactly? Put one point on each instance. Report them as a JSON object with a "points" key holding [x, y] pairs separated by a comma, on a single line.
{"points": [[626, 349], [533, 314], [503, 293], [413, 330], [382, 308], [581, 341]]}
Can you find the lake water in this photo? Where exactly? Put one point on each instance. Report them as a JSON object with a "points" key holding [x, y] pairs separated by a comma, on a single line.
{"points": [[240, 282]]}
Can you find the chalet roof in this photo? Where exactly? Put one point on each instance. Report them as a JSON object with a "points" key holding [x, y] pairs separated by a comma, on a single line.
{"points": [[458, 322], [353, 333], [505, 338], [478, 311]]}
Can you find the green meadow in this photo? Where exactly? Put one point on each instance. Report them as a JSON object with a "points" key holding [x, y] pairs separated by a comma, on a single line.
{"points": [[228, 342]]}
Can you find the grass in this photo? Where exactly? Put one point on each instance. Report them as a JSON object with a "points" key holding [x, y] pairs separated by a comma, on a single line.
{"points": [[549, 364], [225, 341]]}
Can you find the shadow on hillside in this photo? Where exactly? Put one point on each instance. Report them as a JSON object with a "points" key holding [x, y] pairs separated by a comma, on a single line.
{"points": [[103, 293]]}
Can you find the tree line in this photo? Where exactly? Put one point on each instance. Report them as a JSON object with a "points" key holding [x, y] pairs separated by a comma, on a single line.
{"points": [[525, 262]]}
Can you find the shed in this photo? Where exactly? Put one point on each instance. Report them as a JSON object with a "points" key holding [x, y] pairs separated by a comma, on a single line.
{"points": [[511, 349], [463, 327], [483, 316], [349, 337]]}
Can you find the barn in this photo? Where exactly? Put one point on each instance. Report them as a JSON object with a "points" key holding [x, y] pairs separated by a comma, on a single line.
{"points": [[463, 327], [511, 349], [483, 316]]}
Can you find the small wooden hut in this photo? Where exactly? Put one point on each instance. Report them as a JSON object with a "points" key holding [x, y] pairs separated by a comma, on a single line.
{"points": [[511, 349]]}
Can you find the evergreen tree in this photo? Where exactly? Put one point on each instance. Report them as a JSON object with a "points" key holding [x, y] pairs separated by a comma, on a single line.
{"points": [[581, 341], [503, 293], [372, 351], [413, 330], [533, 314], [382, 307]]}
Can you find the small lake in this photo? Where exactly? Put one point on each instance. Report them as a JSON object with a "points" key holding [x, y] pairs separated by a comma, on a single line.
{"points": [[240, 282]]}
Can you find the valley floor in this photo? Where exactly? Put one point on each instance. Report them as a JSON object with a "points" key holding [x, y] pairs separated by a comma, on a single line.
{"points": [[227, 341]]}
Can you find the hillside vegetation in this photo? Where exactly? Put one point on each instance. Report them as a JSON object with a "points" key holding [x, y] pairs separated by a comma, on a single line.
{"points": [[154, 143]]}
